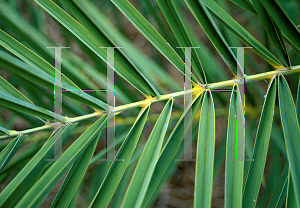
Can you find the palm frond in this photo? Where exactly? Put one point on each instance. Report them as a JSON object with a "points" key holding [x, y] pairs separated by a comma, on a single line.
{"points": [[149, 38]]}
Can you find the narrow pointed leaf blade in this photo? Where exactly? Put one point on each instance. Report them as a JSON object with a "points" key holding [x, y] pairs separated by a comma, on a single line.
{"points": [[12, 90], [28, 108], [74, 178], [28, 56], [256, 170], [170, 10], [43, 186], [119, 195], [287, 27], [273, 32], [205, 153], [226, 20], [9, 151], [117, 168], [169, 151], [123, 59], [39, 64], [26, 178], [208, 25], [234, 169], [128, 73], [142, 175], [38, 42], [152, 70], [150, 33], [291, 132]]}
